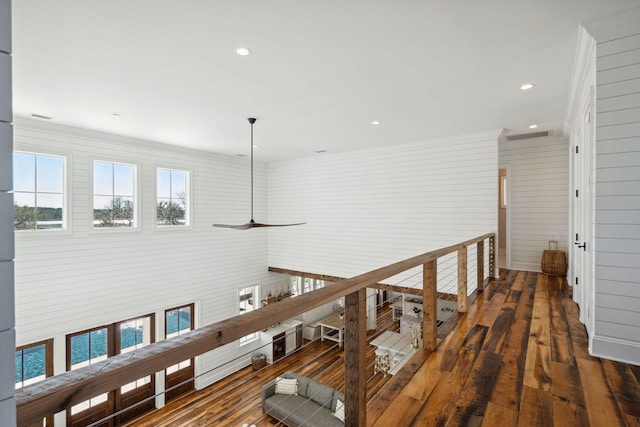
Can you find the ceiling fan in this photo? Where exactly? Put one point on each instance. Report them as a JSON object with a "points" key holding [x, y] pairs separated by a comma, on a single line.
{"points": [[252, 223]]}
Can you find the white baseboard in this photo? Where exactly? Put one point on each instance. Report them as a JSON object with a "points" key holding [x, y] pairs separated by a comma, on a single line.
{"points": [[217, 374], [615, 349], [526, 266]]}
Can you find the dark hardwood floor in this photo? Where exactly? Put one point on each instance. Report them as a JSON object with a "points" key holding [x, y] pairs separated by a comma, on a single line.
{"points": [[518, 357]]}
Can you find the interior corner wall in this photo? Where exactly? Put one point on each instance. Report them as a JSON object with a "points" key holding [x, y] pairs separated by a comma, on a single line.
{"points": [[72, 280], [370, 208], [538, 205], [617, 187], [7, 313]]}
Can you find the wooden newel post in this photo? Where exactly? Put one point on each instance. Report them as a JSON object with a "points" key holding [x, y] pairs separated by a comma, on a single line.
{"points": [[430, 305], [492, 256], [480, 265], [355, 359], [462, 279]]}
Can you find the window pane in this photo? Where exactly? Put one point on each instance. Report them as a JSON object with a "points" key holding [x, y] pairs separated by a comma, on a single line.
{"points": [[50, 172], [123, 180], [123, 211], [102, 211], [102, 178], [164, 183], [24, 211], [79, 349], [19, 367], [172, 322], [185, 319], [49, 213], [34, 362], [24, 172], [178, 185], [98, 343]]}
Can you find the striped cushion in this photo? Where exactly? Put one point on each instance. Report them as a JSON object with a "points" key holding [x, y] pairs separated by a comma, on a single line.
{"points": [[339, 413], [287, 386]]}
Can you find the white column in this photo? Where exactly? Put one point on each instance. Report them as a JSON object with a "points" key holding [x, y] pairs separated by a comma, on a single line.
{"points": [[7, 301]]}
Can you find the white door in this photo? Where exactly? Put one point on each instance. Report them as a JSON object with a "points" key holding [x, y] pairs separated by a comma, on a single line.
{"points": [[581, 220]]}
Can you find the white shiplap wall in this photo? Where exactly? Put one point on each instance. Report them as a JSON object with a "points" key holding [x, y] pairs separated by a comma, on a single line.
{"points": [[7, 318], [617, 187], [77, 279], [538, 175], [370, 208]]}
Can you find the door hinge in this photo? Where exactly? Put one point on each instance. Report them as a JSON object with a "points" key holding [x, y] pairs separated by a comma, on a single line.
{"points": [[577, 237], [577, 149], [576, 193], [576, 280]]}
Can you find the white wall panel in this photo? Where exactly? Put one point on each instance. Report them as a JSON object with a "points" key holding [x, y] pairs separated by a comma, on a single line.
{"points": [[6, 149], [617, 182], [370, 208], [6, 226], [77, 279], [6, 110], [539, 204], [7, 315]]}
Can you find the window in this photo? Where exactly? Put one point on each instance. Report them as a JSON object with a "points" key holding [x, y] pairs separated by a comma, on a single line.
{"points": [[38, 198], [178, 321], [113, 195], [34, 362], [172, 197], [302, 285], [132, 335], [248, 301], [84, 349], [178, 378]]}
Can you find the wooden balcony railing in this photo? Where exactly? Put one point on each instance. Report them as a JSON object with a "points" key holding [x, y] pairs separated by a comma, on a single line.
{"points": [[57, 393]]}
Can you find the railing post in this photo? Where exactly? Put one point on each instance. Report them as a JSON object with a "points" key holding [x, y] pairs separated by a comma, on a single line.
{"points": [[355, 358], [480, 265], [462, 279], [430, 304], [492, 256]]}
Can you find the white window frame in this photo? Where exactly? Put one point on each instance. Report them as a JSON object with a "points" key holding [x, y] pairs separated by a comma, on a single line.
{"points": [[256, 304], [66, 218], [188, 205], [137, 202]]}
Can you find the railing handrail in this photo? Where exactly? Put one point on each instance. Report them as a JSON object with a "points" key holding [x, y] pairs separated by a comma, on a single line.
{"points": [[56, 393]]}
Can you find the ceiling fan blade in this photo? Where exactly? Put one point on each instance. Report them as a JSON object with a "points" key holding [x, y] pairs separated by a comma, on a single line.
{"points": [[237, 227], [253, 224], [257, 224]]}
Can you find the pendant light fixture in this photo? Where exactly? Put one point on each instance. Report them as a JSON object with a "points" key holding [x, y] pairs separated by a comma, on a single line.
{"points": [[252, 223]]}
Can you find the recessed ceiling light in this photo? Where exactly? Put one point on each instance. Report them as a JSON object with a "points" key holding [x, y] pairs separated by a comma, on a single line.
{"points": [[533, 126], [375, 122], [526, 86], [243, 51]]}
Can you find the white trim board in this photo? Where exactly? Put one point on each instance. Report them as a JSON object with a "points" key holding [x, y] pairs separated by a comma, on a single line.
{"points": [[624, 351]]}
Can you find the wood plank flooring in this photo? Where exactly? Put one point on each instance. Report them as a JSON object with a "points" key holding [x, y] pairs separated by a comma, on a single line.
{"points": [[518, 357]]}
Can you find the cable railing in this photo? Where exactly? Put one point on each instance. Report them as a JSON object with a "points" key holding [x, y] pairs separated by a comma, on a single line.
{"points": [[59, 392]]}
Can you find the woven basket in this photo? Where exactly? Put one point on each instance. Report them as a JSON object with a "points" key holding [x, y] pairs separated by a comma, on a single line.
{"points": [[554, 263]]}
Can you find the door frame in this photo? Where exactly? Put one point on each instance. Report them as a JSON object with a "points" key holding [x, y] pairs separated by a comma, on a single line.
{"points": [[582, 261]]}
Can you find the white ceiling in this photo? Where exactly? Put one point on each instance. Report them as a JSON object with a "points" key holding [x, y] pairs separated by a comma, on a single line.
{"points": [[319, 73]]}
